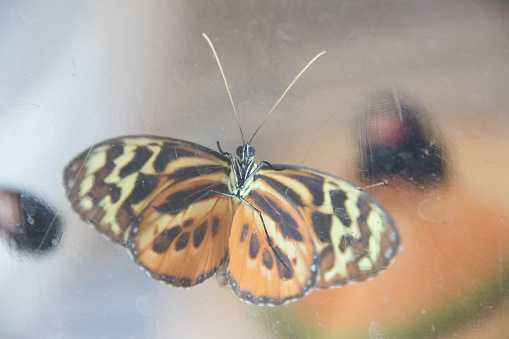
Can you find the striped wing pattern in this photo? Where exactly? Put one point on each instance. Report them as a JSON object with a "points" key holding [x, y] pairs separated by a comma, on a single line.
{"points": [[161, 198], [330, 233], [183, 247], [254, 272], [114, 185]]}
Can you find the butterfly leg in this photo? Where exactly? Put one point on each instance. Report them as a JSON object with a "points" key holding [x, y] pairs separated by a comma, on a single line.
{"points": [[265, 229], [270, 165], [259, 167], [378, 184], [224, 153]]}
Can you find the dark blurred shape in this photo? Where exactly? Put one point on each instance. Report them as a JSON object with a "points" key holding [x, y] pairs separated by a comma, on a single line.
{"points": [[398, 141], [29, 224]]}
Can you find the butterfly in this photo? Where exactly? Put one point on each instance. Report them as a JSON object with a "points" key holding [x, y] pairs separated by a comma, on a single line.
{"points": [[186, 212]]}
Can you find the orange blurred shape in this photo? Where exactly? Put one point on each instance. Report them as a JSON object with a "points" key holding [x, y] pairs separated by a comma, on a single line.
{"points": [[453, 245]]}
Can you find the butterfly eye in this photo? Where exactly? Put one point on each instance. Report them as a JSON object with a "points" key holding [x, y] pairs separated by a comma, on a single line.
{"points": [[239, 151], [251, 152]]}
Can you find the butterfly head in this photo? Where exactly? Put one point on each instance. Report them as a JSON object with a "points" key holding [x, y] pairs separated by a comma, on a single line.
{"points": [[245, 153]]}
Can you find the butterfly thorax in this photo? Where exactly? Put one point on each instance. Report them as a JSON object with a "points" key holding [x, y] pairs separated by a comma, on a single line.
{"points": [[243, 167]]}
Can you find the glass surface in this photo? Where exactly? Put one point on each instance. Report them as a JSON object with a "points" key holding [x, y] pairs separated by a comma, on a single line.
{"points": [[72, 75]]}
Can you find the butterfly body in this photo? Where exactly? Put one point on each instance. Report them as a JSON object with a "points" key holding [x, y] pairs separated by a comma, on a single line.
{"points": [[243, 168], [184, 210]]}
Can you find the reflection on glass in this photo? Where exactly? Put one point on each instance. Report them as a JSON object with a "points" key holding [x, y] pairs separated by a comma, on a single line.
{"points": [[28, 223]]}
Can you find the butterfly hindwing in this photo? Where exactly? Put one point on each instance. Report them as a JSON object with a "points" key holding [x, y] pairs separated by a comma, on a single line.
{"points": [[136, 182], [183, 247], [352, 234], [258, 273]]}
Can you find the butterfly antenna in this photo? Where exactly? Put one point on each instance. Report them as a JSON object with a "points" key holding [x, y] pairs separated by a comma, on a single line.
{"points": [[287, 89], [225, 83]]}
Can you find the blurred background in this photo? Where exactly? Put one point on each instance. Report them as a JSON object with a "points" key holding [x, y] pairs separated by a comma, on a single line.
{"points": [[409, 92]]}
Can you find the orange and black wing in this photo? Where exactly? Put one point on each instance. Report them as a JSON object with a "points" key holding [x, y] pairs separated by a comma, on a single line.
{"points": [[160, 197], [327, 231], [258, 273]]}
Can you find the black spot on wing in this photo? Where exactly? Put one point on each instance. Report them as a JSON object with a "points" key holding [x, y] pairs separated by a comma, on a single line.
{"points": [[290, 232], [345, 241], [185, 173], [103, 172], [185, 282], [141, 156], [169, 152], [163, 241], [286, 223], [322, 225], [364, 209], [268, 207], [124, 217], [182, 241], [282, 188], [192, 149], [144, 186], [267, 259], [243, 235], [215, 226], [314, 184], [338, 199], [254, 246], [165, 156], [114, 193], [199, 279], [100, 175], [199, 234], [181, 200], [116, 149], [285, 273], [187, 223]]}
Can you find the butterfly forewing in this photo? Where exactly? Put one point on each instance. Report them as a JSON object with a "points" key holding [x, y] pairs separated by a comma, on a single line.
{"points": [[353, 235], [112, 183], [258, 273]]}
